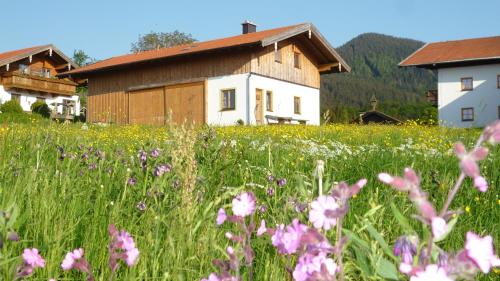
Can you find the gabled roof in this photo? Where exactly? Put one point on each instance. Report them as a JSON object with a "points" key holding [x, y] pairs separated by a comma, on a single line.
{"points": [[13, 56], [469, 50], [264, 38]]}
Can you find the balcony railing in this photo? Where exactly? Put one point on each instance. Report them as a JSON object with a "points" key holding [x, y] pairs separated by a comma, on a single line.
{"points": [[25, 81]]}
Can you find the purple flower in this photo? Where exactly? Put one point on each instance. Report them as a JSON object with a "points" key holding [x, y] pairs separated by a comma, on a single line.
{"points": [[406, 249], [160, 170], [281, 182], [270, 191], [221, 216], [141, 206], [270, 178], [492, 133], [155, 153], [480, 251], [262, 208], [92, 166], [100, 154], [323, 213], [131, 181], [244, 204]]}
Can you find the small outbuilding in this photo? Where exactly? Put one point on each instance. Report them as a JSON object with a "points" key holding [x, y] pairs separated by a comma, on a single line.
{"points": [[374, 116]]}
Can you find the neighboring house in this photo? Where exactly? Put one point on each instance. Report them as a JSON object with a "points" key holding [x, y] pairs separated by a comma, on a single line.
{"points": [[271, 76], [30, 75], [375, 116], [468, 93]]}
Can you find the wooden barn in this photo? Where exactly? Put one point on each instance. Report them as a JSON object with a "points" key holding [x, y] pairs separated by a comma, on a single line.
{"points": [[256, 77]]}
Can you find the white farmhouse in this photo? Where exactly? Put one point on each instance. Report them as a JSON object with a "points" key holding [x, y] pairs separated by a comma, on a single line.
{"points": [[257, 77], [468, 92], [29, 75]]}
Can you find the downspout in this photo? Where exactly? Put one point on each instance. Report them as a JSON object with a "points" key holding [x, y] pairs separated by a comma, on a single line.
{"points": [[248, 98]]}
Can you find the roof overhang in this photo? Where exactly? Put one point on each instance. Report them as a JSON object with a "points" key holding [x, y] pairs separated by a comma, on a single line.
{"points": [[51, 48], [337, 64], [453, 63]]}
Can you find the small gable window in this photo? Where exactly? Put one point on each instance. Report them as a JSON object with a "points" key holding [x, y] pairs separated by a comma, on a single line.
{"points": [[227, 99], [296, 60], [468, 114], [296, 105], [467, 84], [269, 101]]}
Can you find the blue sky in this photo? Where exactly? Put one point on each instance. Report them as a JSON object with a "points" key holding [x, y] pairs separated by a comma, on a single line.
{"points": [[104, 28]]}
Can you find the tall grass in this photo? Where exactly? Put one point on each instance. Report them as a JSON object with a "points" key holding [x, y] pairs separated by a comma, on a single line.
{"points": [[65, 203]]}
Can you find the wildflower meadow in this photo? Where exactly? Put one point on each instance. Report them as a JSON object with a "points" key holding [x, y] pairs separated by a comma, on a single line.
{"points": [[336, 202]]}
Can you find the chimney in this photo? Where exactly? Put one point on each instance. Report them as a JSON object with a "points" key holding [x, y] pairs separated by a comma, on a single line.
{"points": [[249, 27]]}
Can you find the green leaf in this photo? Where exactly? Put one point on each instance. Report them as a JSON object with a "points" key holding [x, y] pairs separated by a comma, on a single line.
{"points": [[372, 211], [381, 241], [356, 239], [451, 224], [14, 212], [362, 261], [403, 222], [386, 269]]}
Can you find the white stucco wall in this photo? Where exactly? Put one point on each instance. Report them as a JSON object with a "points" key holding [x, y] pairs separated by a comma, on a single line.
{"points": [[283, 99], [246, 86], [484, 98], [27, 99]]}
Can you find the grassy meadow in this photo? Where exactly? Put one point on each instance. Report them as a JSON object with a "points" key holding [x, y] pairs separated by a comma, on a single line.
{"points": [[64, 184]]}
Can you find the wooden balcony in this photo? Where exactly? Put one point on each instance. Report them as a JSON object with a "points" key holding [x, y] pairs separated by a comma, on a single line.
{"points": [[35, 83]]}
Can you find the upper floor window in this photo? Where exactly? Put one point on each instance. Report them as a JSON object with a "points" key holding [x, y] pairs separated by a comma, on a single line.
{"points": [[467, 84], [296, 105], [498, 81], [23, 68], [45, 72], [296, 60], [499, 112], [227, 99], [468, 114], [269, 101]]}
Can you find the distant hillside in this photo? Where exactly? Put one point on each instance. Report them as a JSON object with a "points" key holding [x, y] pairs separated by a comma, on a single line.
{"points": [[374, 61]]}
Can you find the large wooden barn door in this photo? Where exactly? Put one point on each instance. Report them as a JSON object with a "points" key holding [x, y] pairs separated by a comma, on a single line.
{"points": [[186, 102], [147, 106]]}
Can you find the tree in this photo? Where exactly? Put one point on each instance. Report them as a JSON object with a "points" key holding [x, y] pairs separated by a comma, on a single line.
{"points": [[81, 58], [155, 40]]}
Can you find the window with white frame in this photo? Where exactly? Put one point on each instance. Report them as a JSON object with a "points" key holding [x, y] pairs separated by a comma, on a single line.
{"points": [[227, 99], [468, 114]]}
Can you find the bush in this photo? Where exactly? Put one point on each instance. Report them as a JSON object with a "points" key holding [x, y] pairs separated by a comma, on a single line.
{"points": [[11, 106], [21, 118], [41, 108]]}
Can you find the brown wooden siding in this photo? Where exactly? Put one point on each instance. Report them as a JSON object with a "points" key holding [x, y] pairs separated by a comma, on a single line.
{"points": [[109, 108], [264, 63]]}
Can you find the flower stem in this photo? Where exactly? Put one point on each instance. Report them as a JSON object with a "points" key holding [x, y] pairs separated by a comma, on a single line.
{"points": [[339, 251]]}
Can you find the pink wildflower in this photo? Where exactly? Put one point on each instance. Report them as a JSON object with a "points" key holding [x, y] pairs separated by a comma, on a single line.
{"points": [[469, 166], [432, 273], [32, 258], [244, 204], [480, 251], [262, 229], [221, 216], [323, 212], [439, 227], [314, 267], [71, 259]]}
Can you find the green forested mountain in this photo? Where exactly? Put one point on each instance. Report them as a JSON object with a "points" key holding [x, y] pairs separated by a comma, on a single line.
{"points": [[374, 61]]}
